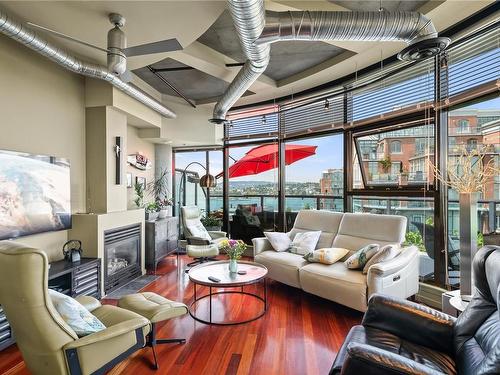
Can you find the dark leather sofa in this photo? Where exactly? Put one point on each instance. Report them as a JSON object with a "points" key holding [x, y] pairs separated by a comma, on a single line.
{"points": [[402, 337]]}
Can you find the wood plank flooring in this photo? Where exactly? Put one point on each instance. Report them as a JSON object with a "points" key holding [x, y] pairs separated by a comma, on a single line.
{"points": [[300, 333]]}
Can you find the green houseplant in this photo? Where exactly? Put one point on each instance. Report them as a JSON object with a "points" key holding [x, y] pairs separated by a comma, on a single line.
{"points": [[159, 189], [211, 222], [152, 211], [139, 195]]}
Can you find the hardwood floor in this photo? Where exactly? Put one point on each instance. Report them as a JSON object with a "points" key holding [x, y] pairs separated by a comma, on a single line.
{"points": [[300, 333]]}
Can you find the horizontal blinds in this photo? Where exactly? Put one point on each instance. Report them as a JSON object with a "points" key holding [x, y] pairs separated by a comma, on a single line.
{"points": [[406, 89], [474, 62], [324, 114], [252, 127]]}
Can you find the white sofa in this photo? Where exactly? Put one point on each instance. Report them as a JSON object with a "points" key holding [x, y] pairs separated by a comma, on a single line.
{"points": [[397, 277]]}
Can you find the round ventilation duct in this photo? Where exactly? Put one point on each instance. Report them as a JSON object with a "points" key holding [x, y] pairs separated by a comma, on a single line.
{"points": [[424, 49]]}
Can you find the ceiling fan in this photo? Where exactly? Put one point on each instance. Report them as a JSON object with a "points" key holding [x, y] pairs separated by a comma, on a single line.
{"points": [[117, 50]]}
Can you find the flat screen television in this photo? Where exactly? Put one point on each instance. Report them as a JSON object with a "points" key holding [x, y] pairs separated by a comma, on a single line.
{"points": [[34, 194]]}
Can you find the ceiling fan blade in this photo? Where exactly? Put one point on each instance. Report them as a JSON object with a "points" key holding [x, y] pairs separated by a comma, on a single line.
{"points": [[126, 76], [64, 36], [167, 45]]}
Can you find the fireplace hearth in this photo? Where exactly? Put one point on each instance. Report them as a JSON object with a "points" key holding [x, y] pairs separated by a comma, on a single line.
{"points": [[122, 256]]}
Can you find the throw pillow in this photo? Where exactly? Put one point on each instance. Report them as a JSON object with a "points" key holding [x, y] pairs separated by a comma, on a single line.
{"points": [[305, 242], [198, 230], [360, 257], [386, 253], [75, 315], [326, 256], [279, 241]]}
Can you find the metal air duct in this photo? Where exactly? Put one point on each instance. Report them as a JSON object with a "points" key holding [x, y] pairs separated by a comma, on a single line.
{"points": [[248, 15], [25, 35]]}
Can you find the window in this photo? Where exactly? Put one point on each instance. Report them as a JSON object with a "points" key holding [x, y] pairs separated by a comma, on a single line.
{"points": [[463, 126], [471, 144], [395, 147], [402, 166]]}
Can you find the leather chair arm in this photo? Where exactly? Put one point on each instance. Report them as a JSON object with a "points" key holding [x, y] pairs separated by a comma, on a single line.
{"points": [[109, 333], [260, 244], [90, 303], [366, 359], [217, 234], [197, 241], [411, 321]]}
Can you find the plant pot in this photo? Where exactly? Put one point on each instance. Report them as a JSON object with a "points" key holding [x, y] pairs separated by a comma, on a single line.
{"points": [[213, 229], [164, 212], [233, 266], [403, 180], [152, 216]]}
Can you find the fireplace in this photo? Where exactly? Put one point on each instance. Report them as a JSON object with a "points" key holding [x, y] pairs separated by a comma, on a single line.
{"points": [[122, 256]]}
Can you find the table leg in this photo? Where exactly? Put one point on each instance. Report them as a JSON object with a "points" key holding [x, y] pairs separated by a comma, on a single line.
{"points": [[265, 294], [195, 292], [210, 304]]}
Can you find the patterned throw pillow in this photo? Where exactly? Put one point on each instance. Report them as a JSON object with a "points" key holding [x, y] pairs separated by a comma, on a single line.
{"points": [[279, 241], [198, 230], [386, 253], [75, 315], [361, 257], [305, 242], [326, 256]]}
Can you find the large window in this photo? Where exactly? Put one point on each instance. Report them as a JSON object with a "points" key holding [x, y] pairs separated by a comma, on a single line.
{"points": [[404, 162], [484, 118], [314, 175]]}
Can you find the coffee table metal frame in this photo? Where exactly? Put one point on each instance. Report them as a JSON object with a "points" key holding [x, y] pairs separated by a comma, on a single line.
{"points": [[239, 285]]}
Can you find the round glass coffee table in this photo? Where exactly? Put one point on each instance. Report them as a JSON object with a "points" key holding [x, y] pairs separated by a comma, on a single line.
{"points": [[255, 274]]}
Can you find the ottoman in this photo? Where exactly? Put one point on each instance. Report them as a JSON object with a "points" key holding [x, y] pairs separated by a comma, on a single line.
{"points": [[156, 309], [201, 253]]}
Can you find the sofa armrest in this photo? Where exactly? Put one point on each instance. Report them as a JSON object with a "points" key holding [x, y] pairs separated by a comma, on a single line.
{"points": [[260, 244], [217, 234], [197, 241], [90, 303], [394, 265], [367, 359], [431, 328]]}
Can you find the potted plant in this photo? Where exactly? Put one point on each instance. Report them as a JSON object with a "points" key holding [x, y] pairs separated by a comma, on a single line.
{"points": [[468, 174], [211, 222], [385, 163], [158, 188], [139, 195], [234, 250], [152, 211]]}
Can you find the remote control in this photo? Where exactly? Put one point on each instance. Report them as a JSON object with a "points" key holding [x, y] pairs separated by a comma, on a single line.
{"points": [[214, 279], [242, 272]]}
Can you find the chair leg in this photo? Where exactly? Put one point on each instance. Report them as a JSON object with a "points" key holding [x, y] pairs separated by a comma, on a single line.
{"points": [[153, 341]]}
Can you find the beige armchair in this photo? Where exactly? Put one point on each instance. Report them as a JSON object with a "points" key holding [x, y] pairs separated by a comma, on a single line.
{"points": [[202, 245], [48, 345]]}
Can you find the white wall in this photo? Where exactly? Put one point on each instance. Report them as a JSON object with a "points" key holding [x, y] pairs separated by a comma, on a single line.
{"points": [[42, 111]]}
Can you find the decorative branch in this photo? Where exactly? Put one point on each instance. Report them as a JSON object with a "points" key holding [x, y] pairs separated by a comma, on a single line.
{"points": [[468, 173]]}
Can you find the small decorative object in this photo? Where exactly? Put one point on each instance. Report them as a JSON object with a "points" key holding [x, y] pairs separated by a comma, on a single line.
{"points": [[142, 181], [234, 250], [467, 174], [139, 195], [403, 176], [152, 211], [139, 161], [118, 160], [211, 222], [129, 180], [72, 251]]}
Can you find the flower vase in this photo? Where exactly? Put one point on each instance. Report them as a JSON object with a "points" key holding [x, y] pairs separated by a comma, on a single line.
{"points": [[233, 266]]}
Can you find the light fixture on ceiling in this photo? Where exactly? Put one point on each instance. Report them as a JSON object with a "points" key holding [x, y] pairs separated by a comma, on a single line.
{"points": [[327, 105]]}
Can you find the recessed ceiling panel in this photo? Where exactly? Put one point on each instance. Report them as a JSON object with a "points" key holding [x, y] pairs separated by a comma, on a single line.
{"points": [[192, 83], [389, 5], [287, 58]]}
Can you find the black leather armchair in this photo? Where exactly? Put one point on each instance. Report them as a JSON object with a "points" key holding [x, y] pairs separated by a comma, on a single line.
{"points": [[402, 337]]}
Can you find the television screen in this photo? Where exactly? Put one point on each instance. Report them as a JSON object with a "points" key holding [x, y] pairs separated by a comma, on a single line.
{"points": [[34, 194]]}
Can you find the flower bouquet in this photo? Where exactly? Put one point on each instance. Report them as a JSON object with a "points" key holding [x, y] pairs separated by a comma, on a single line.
{"points": [[234, 250]]}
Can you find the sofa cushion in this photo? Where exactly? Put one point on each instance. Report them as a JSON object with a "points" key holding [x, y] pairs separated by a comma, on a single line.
{"points": [[313, 220], [279, 241], [358, 230], [326, 256], [359, 259], [386, 253], [282, 266], [305, 242], [335, 282]]}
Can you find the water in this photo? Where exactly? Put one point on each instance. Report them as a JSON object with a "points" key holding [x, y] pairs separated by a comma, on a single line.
{"points": [[271, 203]]}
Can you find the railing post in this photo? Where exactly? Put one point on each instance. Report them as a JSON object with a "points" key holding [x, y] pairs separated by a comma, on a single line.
{"points": [[492, 216], [318, 203]]}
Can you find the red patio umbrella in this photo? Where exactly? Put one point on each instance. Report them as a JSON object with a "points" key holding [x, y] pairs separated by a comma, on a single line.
{"points": [[264, 158]]}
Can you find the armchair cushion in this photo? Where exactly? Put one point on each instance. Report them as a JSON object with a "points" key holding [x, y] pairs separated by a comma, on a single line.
{"points": [[75, 314], [433, 329], [90, 303]]}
